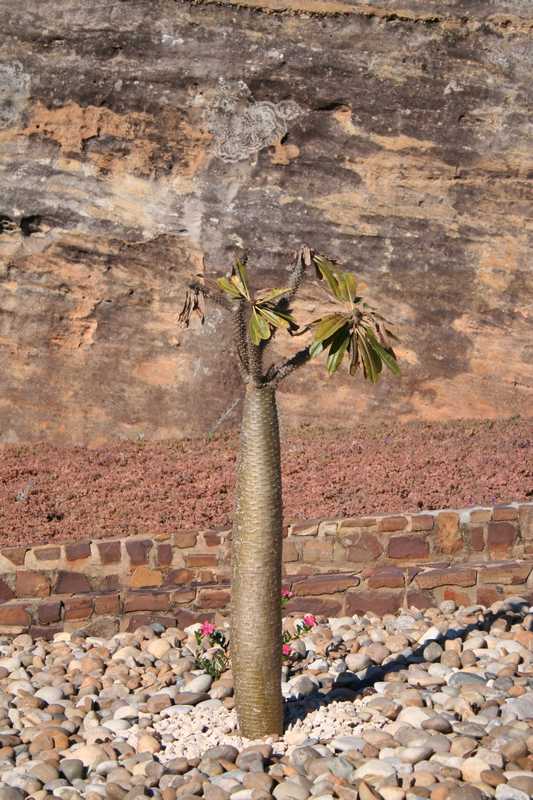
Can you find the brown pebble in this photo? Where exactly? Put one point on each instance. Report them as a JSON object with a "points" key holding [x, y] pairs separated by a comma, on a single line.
{"points": [[493, 777]]}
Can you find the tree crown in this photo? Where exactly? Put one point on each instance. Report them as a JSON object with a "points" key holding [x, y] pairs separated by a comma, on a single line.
{"points": [[352, 328]]}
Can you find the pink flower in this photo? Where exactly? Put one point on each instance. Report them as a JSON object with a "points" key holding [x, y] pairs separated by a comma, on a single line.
{"points": [[286, 649], [207, 628], [287, 593], [310, 620]]}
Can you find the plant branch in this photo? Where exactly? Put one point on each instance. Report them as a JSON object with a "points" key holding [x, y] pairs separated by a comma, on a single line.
{"points": [[241, 339], [218, 299], [303, 259], [255, 362], [278, 372]]}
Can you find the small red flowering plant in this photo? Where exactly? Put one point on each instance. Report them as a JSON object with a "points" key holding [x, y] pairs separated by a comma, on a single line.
{"points": [[214, 643]]}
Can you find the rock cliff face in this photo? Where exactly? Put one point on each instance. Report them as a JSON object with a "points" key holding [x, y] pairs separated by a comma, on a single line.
{"points": [[143, 141]]}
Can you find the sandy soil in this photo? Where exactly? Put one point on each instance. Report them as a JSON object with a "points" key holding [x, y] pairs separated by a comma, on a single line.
{"points": [[55, 494]]}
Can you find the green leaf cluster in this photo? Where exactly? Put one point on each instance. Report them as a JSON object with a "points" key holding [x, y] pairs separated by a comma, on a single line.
{"points": [[355, 330], [264, 316]]}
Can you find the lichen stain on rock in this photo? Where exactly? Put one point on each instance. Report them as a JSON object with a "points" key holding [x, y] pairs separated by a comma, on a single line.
{"points": [[15, 86]]}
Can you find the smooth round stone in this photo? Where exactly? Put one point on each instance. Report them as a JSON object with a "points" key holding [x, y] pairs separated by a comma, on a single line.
{"points": [[225, 751], [345, 743], [90, 755], [11, 793], [413, 754], [126, 712], [506, 792], [191, 698], [459, 679], [375, 768], [413, 715], [71, 768], [301, 686], [432, 652], [473, 769], [200, 684], [357, 661], [524, 782], [465, 793], [158, 648], [50, 694], [288, 790], [438, 724]]}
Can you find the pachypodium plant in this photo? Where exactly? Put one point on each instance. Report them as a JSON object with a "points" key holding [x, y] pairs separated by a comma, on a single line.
{"points": [[351, 329]]}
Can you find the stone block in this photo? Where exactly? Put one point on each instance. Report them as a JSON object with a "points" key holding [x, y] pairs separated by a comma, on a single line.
{"points": [[290, 551], [507, 574], [77, 608], [328, 527], [145, 577], [359, 602], [185, 539], [107, 583], [480, 515], [476, 538], [408, 547], [6, 592], [186, 617], [71, 583], [107, 604], [525, 516], [49, 612], [324, 606], [487, 595], [213, 598], [164, 554], [14, 615], [391, 524], [360, 547], [212, 539], [459, 596], [138, 551], [47, 553], [110, 552], [422, 522], [147, 601], [386, 577], [77, 551], [355, 524], [16, 555], [501, 536], [32, 584], [306, 528], [46, 632], [182, 596], [317, 551], [504, 513], [452, 576], [420, 600], [449, 538], [326, 584], [200, 560]]}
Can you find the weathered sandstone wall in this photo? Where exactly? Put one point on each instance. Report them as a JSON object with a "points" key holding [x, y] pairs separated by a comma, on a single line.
{"points": [[143, 141], [333, 567]]}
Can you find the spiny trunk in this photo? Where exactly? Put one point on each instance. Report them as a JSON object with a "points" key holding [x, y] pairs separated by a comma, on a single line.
{"points": [[256, 566]]}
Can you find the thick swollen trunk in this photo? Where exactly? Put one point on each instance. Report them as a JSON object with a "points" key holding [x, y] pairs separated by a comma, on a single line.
{"points": [[256, 566]]}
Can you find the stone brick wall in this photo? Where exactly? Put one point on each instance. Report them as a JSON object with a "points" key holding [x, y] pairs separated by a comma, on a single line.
{"points": [[333, 567]]}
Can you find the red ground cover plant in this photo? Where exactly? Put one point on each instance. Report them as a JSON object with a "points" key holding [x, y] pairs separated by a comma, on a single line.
{"points": [[61, 494]]}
